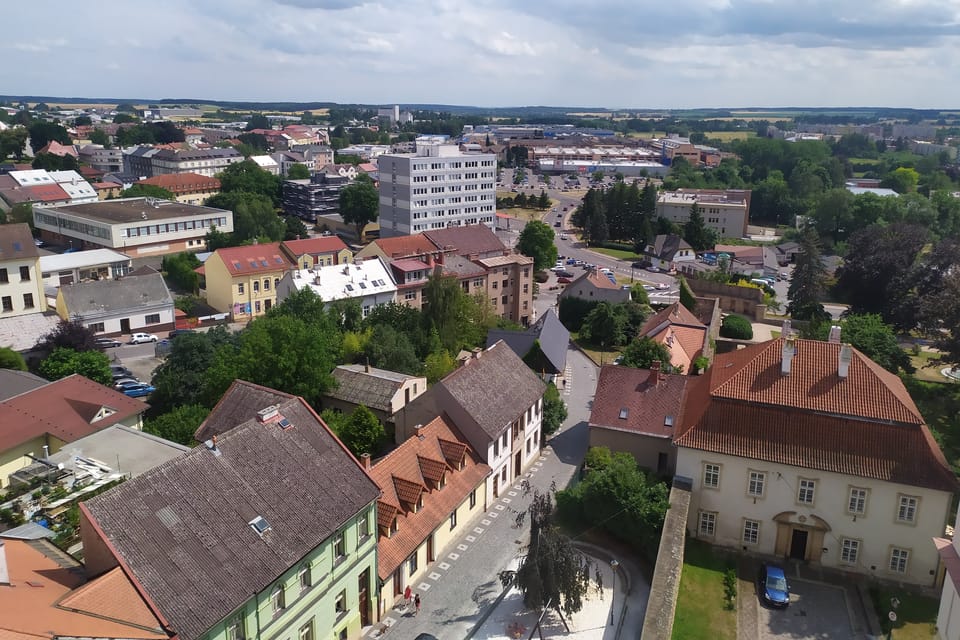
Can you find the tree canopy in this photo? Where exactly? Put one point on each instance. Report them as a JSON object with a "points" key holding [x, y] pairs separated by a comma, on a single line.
{"points": [[360, 203], [641, 353], [298, 171], [361, 432], [536, 241], [63, 362], [248, 177], [808, 283], [141, 190]]}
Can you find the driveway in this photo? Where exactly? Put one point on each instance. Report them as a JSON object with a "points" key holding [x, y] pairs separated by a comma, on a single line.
{"points": [[817, 611]]}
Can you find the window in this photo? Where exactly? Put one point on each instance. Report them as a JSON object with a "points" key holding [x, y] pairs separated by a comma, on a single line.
{"points": [[257, 306], [153, 318], [277, 600], [96, 327], [410, 295], [363, 526], [256, 286], [857, 501], [412, 564], [849, 550], [756, 483], [306, 631], [898, 560], [711, 475], [240, 288], [305, 578], [907, 511], [340, 604], [473, 498], [24, 274], [708, 523], [235, 630], [496, 445], [806, 491], [751, 531], [28, 301], [266, 284], [453, 520], [339, 546], [7, 303], [4, 278]]}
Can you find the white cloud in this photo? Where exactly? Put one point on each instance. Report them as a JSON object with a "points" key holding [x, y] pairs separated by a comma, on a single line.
{"points": [[617, 53]]}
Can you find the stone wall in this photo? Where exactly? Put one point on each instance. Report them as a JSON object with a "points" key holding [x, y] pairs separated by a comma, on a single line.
{"points": [[746, 301], [662, 603]]}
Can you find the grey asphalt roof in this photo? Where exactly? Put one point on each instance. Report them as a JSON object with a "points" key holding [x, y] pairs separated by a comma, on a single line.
{"points": [[13, 383], [183, 528], [553, 336], [373, 388], [495, 388], [128, 451], [129, 292], [28, 531], [242, 400]]}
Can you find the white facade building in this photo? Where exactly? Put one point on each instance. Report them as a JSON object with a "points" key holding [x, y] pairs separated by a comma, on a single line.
{"points": [[368, 281], [438, 186], [725, 211]]}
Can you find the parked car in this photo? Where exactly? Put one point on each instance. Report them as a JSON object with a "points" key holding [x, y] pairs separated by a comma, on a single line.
{"points": [[638, 265], [564, 280], [653, 269], [571, 261], [121, 383], [120, 375], [138, 391], [107, 343], [563, 236], [564, 274], [557, 223], [773, 586], [119, 368], [138, 338]]}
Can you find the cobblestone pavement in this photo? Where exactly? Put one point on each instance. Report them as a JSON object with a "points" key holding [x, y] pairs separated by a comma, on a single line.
{"points": [[462, 586]]}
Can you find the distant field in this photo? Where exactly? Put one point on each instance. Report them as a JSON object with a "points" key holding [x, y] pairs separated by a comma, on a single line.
{"points": [[77, 105], [727, 136]]}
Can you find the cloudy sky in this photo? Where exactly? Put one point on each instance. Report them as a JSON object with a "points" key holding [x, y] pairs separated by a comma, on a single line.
{"points": [[612, 53]]}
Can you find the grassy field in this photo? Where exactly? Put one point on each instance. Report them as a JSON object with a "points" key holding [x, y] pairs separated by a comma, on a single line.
{"points": [[619, 254], [916, 615], [727, 136], [700, 612], [594, 352], [927, 367]]}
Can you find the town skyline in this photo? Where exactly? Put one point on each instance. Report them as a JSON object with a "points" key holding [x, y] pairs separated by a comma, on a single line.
{"points": [[665, 56]]}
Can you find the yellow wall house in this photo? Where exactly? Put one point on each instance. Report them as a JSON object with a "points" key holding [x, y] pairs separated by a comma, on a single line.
{"points": [[21, 287], [324, 251], [242, 281], [40, 421]]}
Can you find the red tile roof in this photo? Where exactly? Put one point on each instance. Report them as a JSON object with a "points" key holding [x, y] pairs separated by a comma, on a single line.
{"points": [[680, 331], [178, 183], [255, 258], [598, 280], [412, 470], [66, 409], [314, 246], [48, 597], [48, 193], [865, 425], [405, 246], [647, 404]]}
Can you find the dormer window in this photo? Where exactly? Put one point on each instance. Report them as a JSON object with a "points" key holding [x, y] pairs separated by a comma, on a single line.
{"points": [[624, 412]]}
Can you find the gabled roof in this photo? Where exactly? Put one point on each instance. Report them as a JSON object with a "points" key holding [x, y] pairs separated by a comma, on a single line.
{"points": [[128, 293], [313, 246], [242, 400], [438, 450], [49, 597], [183, 529], [865, 425], [680, 331], [13, 383], [405, 246], [48, 193], [638, 401], [255, 258], [374, 388], [552, 336], [495, 387], [68, 409], [466, 240], [183, 182], [16, 242], [666, 246], [595, 278]]}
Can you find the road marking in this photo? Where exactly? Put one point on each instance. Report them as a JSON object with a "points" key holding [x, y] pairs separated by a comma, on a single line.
{"points": [[499, 507], [434, 576], [462, 547], [478, 530], [512, 493], [493, 515], [486, 522], [444, 565], [453, 556], [424, 586], [471, 538]]}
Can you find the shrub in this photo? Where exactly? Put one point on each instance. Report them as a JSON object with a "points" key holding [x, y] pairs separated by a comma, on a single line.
{"points": [[736, 327], [730, 589]]}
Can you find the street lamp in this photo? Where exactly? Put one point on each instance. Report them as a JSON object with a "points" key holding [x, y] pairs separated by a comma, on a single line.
{"points": [[892, 614], [613, 594]]}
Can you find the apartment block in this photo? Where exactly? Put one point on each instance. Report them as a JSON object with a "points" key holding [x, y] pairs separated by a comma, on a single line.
{"points": [[725, 211]]}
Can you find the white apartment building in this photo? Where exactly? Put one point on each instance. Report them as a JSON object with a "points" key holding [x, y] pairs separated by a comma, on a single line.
{"points": [[725, 211], [435, 187]]}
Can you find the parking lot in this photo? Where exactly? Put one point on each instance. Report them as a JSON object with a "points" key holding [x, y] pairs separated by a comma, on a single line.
{"points": [[817, 611]]}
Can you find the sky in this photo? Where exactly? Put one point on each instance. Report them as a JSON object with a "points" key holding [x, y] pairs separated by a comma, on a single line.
{"points": [[588, 53]]}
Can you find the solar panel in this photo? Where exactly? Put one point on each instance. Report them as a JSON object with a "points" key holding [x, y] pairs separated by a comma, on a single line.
{"points": [[263, 263], [349, 287]]}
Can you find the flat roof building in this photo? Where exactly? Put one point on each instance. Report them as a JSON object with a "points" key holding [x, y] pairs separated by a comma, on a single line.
{"points": [[725, 211], [134, 226]]}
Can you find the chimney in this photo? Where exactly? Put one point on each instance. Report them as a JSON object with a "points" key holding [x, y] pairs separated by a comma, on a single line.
{"points": [[789, 350], [429, 258], [366, 367], [418, 431], [365, 461], [655, 373], [477, 352], [846, 355], [267, 413], [786, 329], [834, 334]]}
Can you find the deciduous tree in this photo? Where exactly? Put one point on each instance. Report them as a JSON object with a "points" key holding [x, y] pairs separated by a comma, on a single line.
{"points": [[642, 352], [360, 203], [361, 432], [141, 190], [536, 241], [298, 171], [10, 359], [178, 425], [554, 410], [63, 362]]}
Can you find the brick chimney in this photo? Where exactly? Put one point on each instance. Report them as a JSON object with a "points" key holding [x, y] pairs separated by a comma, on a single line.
{"points": [[656, 375], [846, 356], [789, 350], [365, 461]]}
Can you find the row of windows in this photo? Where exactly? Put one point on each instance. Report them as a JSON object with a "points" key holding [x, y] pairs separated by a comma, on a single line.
{"points": [[155, 229], [24, 275], [7, 302], [849, 547], [241, 287], [806, 494], [97, 231]]}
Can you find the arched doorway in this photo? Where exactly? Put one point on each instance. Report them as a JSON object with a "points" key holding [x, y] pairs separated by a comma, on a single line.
{"points": [[799, 536]]}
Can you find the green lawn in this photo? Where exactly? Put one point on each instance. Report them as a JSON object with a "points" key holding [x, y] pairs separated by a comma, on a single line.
{"points": [[916, 615], [700, 611], [619, 254], [593, 351], [927, 368]]}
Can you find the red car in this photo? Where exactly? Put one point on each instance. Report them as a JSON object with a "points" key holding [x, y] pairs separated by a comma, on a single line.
{"points": [[564, 280]]}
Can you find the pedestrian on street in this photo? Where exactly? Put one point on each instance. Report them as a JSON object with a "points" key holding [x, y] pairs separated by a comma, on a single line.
{"points": [[407, 594], [416, 601]]}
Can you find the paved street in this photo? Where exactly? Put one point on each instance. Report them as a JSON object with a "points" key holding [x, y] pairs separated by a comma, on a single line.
{"points": [[463, 584]]}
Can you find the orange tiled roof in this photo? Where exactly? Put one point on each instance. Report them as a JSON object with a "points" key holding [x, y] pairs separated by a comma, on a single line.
{"points": [[49, 597], [178, 183], [314, 246], [412, 471], [406, 246], [255, 258], [865, 425]]}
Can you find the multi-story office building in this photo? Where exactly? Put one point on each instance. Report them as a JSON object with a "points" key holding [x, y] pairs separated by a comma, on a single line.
{"points": [[725, 211], [435, 187], [317, 196], [146, 162]]}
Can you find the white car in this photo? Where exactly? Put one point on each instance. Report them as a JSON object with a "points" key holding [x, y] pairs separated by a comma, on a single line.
{"points": [[138, 338]]}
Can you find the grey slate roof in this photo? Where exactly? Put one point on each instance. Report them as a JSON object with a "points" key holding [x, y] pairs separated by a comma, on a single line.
{"points": [[182, 528], [553, 336], [373, 388], [127, 293], [495, 388], [242, 400], [28, 531], [666, 246], [13, 383]]}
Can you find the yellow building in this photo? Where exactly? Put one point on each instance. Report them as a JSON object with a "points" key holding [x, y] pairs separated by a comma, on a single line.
{"points": [[324, 251], [242, 281], [40, 421], [187, 188], [21, 287]]}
